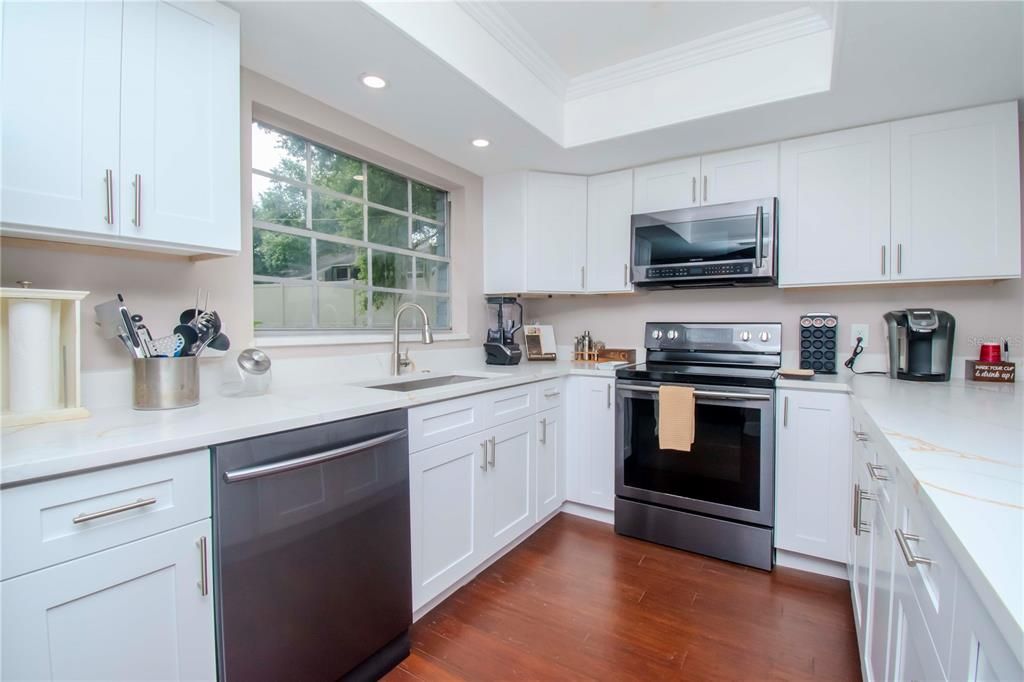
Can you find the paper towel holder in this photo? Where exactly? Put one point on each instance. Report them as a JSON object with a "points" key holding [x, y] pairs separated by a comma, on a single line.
{"points": [[64, 383]]}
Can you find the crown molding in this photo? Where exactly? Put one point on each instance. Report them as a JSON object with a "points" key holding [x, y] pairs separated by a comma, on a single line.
{"points": [[750, 36], [511, 35]]}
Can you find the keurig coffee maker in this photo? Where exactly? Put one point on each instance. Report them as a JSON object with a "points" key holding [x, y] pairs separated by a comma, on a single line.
{"points": [[501, 346], [920, 344]]}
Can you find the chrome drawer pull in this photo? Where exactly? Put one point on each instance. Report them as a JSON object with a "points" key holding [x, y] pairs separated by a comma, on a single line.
{"points": [[877, 472], [137, 504], [861, 436], [552, 394], [904, 540], [204, 583], [494, 447]]}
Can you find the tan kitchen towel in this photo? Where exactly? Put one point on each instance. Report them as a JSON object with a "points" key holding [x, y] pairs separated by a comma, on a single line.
{"points": [[675, 417]]}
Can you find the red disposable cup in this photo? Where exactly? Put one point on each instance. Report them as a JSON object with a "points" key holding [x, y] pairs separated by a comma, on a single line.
{"points": [[990, 352]]}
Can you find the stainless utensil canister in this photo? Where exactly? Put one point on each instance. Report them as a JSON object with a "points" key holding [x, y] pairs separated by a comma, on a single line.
{"points": [[165, 383]]}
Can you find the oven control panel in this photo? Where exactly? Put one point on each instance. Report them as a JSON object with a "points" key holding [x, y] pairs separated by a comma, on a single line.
{"points": [[764, 337]]}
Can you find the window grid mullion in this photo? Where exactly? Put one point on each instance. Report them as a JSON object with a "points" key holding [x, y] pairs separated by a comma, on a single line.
{"points": [[315, 297]]}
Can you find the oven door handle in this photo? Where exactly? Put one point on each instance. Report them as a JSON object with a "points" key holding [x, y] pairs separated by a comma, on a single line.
{"points": [[716, 395]]}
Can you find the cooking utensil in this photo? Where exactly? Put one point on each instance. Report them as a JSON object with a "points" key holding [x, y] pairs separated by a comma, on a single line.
{"points": [[189, 337], [220, 342]]}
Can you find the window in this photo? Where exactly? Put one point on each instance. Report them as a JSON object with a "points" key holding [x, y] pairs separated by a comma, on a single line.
{"points": [[339, 243]]}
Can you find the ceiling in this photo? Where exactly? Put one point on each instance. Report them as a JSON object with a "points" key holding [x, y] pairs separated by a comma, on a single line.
{"points": [[891, 60], [585, 36]]}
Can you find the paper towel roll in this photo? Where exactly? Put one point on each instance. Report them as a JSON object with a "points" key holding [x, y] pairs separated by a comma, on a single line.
{"points": [[30, 365]]}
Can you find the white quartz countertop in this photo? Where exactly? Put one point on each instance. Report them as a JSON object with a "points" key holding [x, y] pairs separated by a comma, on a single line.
{"points": [[117, 435]]}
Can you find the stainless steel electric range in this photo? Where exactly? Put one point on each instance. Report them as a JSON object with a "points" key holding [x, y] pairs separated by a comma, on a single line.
{"points": [[717, 499]]}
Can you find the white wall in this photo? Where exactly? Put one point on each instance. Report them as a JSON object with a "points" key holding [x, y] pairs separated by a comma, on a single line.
{"points": [[160, 287]]}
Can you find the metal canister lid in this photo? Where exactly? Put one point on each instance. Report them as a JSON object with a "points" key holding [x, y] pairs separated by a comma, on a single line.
{"points": [[254, 361]]}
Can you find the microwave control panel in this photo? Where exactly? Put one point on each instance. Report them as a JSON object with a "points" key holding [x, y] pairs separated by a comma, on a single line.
{"points": [[699, 270]]}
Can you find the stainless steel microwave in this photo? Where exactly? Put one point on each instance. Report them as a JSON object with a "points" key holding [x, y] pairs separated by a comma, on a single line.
{"points": [[721, 245]]}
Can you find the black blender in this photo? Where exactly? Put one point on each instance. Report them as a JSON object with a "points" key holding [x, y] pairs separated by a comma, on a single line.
{"points": [[501, 347]]}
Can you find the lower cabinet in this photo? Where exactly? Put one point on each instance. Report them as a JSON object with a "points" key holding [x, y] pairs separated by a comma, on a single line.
{"points": [[591, 470], [468, 499], [812, 473], [141, 610], [912, 654], [550, 461]]}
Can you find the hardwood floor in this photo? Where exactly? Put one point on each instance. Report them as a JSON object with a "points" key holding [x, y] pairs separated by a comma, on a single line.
{"points": [[575, 601]]}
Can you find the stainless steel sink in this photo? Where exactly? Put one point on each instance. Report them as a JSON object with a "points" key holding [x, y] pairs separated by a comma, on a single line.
{"points": [[427, 382]]}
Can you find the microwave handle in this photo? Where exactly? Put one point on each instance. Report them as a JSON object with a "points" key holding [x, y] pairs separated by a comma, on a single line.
{"points": [[758, 236]]}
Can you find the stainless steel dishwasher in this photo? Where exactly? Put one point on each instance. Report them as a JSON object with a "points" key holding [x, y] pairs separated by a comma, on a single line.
{"points": [[312, 567]]}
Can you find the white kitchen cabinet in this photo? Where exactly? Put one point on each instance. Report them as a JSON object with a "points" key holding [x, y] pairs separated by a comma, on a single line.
{"points": [[740, 175], [812, 474], [878, 645], [834, 208], [550, 484], [509, 483], [956, 195], [60, 114], [591, 455], [912, 654], [979, 651], [447, 502], [142, 610], [609, 211], [860, 566], [666, 186], [126, 131], [180, 124], [535, 233]]}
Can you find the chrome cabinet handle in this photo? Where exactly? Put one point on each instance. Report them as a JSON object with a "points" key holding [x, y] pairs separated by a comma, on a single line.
{"points": [[785, 411], [108, 178], [137, 504], [861, 436], [483, 459], [883, 259], [705, 188], [860, 496], [552, 394], [758, 232], [903, 540], [494, 446], [137, 185], [693, 188], [609, 387], [583, 277], [899, 259], [625, 274], [544, 431], [204, 581], [877, 472], [261, 470]]}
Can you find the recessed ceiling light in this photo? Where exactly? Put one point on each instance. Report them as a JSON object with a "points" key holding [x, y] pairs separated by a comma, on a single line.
{"points": [[357, 177], [375, 82], [481, 142]]}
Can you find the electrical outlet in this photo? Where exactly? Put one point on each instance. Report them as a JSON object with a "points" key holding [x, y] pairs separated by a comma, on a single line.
{"points": [[862, 330]]}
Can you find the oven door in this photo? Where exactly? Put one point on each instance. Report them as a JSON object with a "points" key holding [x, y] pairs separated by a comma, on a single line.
{"points": [[730, 470], [725, 241]]}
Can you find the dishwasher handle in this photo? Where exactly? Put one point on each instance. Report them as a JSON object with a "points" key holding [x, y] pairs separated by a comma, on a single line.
{"points": [[261, 470]]}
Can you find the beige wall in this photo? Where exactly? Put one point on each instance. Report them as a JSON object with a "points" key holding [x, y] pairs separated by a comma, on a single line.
{"points": [[981, 309], [160, 287]]}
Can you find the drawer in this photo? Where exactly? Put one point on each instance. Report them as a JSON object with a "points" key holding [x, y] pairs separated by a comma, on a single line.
{"points": [[934, 584], [446, 421], [510, 404], [51, 522], [549, 394]]}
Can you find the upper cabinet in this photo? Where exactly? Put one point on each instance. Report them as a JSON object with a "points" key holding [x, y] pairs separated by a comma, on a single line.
{"points": [[609, 209], [126, 131], [935, 198], [666, 186], [956, 195], [834, 208], [740, 175]]}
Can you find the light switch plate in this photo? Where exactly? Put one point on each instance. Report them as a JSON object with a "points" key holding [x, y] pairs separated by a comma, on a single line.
{"points": [[862, 330]]}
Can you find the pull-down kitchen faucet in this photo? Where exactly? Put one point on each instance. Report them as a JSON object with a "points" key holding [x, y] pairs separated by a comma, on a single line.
{"points": [[397, 363]]}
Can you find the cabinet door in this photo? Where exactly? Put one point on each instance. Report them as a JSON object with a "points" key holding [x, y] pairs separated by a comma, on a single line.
{"points": [[179, 124], [740, 175], [592, 454], [979, 651], [912, 655], [666, 186], [860, 549], [956, 194], [510, 483], [609, 209], [834, 208], [61, 83], [556, 232], [135, 612], [877, 651], [812, 474], [550, 462], [446, 503]]}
